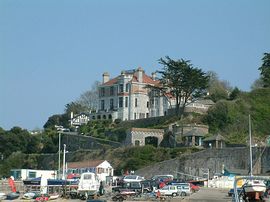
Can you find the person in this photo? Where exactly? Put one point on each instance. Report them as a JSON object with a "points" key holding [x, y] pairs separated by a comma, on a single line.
{"points": [[12, 184], [101, 189], [158, 194]]}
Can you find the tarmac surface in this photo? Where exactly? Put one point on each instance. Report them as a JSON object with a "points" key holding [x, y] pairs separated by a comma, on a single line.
{"points": [[204, 195], [209, 195]]}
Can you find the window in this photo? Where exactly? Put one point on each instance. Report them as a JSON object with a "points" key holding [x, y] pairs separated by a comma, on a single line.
{"points": [[102, 105], [100, 170], [111, 103], [147, 104], [156, 102], [121, 88], [32, 174], [136, 102], [127, 87], [102, 92], [87, 177], [134, 115], [152, 102], [126, 101], [120, 102], [111, 90]]}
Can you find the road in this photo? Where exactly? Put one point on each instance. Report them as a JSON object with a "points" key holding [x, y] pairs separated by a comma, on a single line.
{"points": [[209, 195]]}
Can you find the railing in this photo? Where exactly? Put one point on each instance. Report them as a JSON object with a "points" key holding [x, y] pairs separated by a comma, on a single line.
{"points": [[5, 188]]}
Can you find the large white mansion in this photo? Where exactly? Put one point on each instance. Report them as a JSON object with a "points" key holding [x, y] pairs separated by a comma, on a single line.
{"points": [[126, 97]]}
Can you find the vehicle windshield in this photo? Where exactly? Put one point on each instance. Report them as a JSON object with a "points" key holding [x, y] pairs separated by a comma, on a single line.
{"points": [[87, 177], [133, 177]]}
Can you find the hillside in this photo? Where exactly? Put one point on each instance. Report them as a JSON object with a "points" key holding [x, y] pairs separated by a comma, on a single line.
{"points": [[228, 117]]}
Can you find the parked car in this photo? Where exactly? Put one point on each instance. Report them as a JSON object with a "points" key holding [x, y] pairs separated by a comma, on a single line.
{"points": [[168, 190], [184, 189], [128, 186], [163, 178], [149, 185], [132, 178]]}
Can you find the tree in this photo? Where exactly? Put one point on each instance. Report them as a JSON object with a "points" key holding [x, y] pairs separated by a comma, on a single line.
{"points": [[75, 107], [235, 93], [183, 81], [89, 99], [258, 83], [265, 70], [217, 89], [57, 119]]}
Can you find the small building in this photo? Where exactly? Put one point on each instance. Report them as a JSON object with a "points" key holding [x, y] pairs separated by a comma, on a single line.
{"points": [[193, 137], [101, 167], [79, 119], [23, 174], [217, 141], [143, 136]]}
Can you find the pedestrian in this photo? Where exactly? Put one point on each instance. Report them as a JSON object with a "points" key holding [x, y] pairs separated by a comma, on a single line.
{"points": [[101, 189]]}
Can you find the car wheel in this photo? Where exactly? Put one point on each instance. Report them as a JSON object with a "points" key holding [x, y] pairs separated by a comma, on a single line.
{"points": [[183, 193]]}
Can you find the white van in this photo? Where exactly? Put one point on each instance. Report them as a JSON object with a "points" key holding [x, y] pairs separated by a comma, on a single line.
{"points": [[88, 185]]}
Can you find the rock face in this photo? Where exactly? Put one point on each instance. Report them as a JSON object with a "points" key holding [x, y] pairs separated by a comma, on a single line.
{"points": [[197, 164]]}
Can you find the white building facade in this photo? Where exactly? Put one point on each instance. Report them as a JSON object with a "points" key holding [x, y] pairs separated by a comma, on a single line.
{"points": [[100, 167], [23, 174], [126, 97]]}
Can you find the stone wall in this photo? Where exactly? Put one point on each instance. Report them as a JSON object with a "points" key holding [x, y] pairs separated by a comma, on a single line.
{"points": [[196, 164]]}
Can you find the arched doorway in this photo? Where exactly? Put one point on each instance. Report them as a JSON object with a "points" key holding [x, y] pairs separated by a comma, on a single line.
{"points": [[151, 140]]}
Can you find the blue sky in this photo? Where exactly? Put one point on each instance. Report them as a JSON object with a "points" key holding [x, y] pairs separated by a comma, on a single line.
{"points": [[53, 51]]}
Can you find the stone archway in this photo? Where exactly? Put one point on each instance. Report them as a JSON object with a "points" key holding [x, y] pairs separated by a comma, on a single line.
{"points": [[143, 136], [151, 140]]}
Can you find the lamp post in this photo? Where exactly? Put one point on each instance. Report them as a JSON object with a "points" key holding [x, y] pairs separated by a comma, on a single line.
{"points": [[59, 154], [64, 162]]}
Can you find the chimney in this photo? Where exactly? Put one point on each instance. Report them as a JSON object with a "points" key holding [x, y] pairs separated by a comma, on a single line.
{"points": [[71, 115], [140, 74], [106, 77], [154, 75]]}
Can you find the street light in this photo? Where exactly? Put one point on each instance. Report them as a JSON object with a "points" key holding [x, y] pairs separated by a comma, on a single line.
{"points": [[64, 161], [59, 154]]}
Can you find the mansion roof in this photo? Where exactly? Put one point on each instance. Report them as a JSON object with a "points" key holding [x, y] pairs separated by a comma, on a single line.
{"points": [[145, 79]]}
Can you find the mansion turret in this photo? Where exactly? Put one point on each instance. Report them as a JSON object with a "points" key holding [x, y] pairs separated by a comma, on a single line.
{"points": [[126, 97]]}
